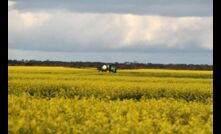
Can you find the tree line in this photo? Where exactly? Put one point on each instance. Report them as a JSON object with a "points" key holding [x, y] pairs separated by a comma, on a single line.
{"points": [[125, 65]]}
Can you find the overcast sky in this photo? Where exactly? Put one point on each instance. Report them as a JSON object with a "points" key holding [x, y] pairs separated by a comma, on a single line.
{"points": [[157, 31]]}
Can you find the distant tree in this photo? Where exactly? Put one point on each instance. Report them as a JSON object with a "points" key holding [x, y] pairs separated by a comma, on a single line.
{"points": [[125, 65]]}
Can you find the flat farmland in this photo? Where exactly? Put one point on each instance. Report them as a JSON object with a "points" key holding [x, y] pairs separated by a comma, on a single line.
{"points": [[73, 100]]}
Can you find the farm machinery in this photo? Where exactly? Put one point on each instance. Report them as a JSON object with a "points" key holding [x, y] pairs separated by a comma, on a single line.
{"points": [[107, 68]]}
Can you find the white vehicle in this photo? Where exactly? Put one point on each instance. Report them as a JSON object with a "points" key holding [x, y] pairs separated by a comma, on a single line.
{"points": [[107, 68]]}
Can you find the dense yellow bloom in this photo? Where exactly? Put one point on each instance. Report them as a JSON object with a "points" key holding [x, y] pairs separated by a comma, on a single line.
{"points": [[70, 100]]}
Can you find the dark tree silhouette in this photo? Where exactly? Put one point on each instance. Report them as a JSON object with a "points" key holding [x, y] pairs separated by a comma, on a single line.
{"points": [[125, 65]]}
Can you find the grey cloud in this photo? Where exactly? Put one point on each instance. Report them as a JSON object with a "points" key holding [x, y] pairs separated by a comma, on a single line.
{"points": [[68, 31], [163, 31], [153, 57], [142, 7]]}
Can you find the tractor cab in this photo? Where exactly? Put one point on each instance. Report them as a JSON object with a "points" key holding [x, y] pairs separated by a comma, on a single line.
{"points": [[112, 68]]}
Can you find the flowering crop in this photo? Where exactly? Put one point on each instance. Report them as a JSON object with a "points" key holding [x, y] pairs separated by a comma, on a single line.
{"points": [[70, 100]]}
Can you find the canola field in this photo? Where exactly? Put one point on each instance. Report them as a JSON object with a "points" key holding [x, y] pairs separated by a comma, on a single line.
{"points": [[51, 100]]}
